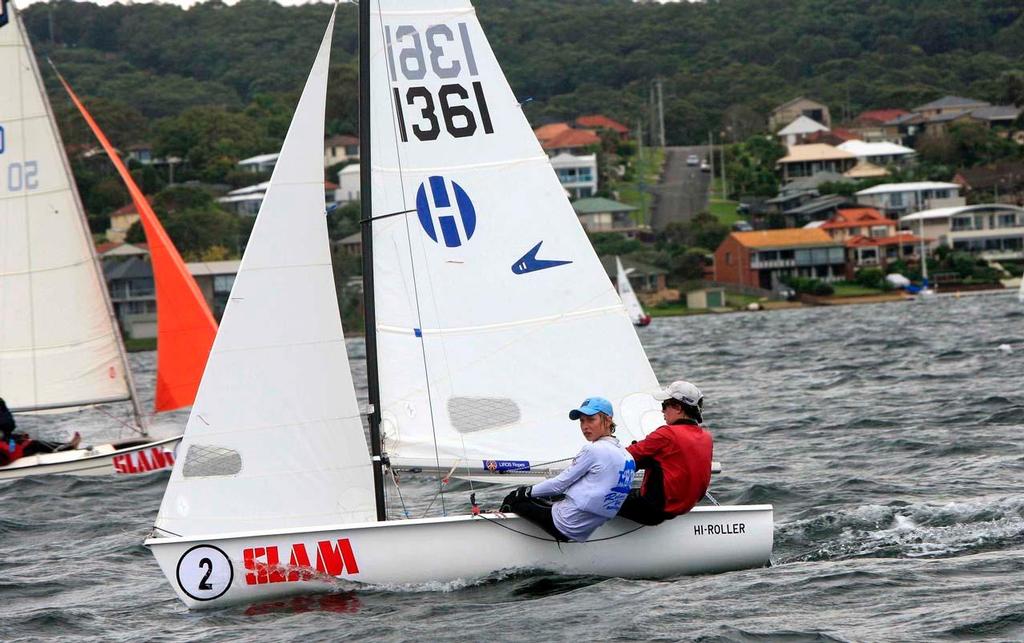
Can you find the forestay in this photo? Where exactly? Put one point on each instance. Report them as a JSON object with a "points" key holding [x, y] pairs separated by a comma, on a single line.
{"points": [[275, 438], [58, 342], [494, 315], [629, 299]]}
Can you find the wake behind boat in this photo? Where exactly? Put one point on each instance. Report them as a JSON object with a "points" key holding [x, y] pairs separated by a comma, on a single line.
{"points": [[60, 345], [483, 295]]}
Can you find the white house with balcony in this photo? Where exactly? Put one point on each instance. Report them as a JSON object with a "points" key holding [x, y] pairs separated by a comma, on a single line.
{"points": [[262, 164], [577, 174], [904, 198], [348, 184], [880, 153], [992, 230]]}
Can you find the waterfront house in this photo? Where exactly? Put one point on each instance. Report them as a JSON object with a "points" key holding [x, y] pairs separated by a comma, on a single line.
{"points": [[947, 106], [992, 230], [871, 239], [340, 149], [799, 106], [762, 258], [577, 174], [261, 164], [808, 160], [896, 199], [598, 214], [132, 293], [818, 208]]}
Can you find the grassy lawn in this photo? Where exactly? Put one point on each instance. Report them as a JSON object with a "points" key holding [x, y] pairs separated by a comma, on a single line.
{"points": [[740, 301], [142, 344], [723, 209], [855, 290], [672, 310], [649, 166]]}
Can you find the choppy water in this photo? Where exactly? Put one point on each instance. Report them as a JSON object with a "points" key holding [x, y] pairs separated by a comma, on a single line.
{"points": [[888, 438]]}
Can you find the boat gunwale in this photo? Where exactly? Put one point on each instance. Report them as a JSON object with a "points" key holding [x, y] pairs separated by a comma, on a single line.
{"points": [[140, 447], [489, 516]]}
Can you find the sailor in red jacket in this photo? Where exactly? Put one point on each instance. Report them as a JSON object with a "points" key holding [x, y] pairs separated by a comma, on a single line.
{"points": [[675, 457]]}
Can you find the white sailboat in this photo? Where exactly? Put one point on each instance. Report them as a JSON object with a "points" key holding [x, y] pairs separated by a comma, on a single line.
{"points": [[485, 304], [629, 300], [60, 347]]}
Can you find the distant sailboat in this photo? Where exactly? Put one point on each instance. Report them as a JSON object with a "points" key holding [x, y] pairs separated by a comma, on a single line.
{"points": [[486, 299], [60, 347], [629, 300], [184, 324]]}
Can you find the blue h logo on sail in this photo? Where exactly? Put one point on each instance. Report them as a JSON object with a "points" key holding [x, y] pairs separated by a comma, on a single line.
{"points": [[435, 208]]}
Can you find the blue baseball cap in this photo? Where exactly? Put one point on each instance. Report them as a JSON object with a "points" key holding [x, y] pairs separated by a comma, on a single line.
{"points": [[591, 406]]}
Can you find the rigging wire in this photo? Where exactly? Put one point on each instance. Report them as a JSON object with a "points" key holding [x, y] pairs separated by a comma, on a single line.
{"points": [[415, 284]]}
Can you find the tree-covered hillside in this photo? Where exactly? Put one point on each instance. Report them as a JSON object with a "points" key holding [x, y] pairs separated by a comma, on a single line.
{"points": [[724, 63]]}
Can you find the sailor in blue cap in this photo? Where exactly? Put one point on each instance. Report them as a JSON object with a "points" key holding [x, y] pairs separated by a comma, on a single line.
{"points": [[594, 486]]}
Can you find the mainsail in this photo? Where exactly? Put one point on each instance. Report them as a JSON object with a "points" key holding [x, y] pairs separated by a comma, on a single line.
{"points": [[275, 439], [185, 326], [59, 342], [629, 299], [494, 314]]}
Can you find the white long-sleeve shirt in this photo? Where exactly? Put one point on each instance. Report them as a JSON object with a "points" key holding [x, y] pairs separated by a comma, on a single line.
{"points": [[595, 485]]}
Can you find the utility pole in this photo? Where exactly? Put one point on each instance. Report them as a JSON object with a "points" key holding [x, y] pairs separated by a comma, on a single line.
{"points": [[725, 182], [661, 112], [711, 156], [652, 117], [640, 171], [51, 21]]}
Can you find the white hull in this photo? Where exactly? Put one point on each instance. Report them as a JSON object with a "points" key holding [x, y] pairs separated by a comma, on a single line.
{"points": [[245, 568], [126, 458]]}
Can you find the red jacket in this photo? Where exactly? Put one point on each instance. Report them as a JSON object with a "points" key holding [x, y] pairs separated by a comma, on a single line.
{"points": [[683, 451], [7, 455]]}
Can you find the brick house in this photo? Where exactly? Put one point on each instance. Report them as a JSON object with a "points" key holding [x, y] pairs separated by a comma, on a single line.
{"points": [[764, 257]]}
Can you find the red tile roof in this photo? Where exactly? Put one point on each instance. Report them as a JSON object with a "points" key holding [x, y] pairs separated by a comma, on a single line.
{"points": [[341, 139], [861, 241], [545, 132], [572, 138], [127, 209], [600, 121], [785, 237], [880, 116], [855, 218], [330, 185]]}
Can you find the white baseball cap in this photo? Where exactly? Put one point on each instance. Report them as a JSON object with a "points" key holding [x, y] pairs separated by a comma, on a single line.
{"points": [[681, 390]]}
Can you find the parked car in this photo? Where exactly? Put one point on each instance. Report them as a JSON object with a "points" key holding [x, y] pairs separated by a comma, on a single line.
{"points": [[693, 159], [704, 166], [742, 226]]}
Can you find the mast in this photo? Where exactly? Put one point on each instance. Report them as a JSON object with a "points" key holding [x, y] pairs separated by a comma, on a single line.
{"points": [[129, 379], [366, 212]]}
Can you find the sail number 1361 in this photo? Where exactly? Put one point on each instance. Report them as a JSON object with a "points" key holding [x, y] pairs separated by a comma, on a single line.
{"points": [[458, 108]]}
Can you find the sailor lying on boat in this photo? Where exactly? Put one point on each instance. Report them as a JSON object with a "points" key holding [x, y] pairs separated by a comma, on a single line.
{"points": [[18, 445], [594, 486], [675, 457]]}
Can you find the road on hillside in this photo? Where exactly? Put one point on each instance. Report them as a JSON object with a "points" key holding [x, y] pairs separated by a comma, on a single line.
{"points": [[683, 190]]}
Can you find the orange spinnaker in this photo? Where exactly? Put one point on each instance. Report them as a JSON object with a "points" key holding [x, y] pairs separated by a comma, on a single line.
{"points": [[185, 326]]}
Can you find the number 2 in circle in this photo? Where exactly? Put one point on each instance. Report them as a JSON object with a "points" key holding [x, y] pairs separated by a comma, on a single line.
{"points": [[204, 584]]}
